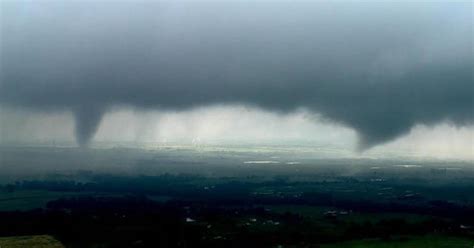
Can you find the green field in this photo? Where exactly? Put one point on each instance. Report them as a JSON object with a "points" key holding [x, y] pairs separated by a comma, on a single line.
{"points": [[29, 199], [317, 213], [40, 241], [24, 200], [415, 242]]}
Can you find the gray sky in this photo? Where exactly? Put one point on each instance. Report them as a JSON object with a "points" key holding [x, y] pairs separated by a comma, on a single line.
{"points": [[377, 68]]}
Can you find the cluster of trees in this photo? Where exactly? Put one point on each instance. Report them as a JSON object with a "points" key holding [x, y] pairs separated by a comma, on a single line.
{"points": [[136, 221], [239, 192], [219, 209]]}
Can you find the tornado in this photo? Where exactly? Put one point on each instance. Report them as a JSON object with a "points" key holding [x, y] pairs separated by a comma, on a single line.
{"points": [[87, 120]]}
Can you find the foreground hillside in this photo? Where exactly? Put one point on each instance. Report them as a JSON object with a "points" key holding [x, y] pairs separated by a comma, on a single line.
{"points": [[39, 241], [408, 242]]}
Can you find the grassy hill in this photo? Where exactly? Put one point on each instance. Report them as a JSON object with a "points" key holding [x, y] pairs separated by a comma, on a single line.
{"points": [[39, 241], [418, 242]]}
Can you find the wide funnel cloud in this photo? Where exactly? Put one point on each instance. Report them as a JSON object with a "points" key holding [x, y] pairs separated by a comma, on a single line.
{"points": [[379, 68]]}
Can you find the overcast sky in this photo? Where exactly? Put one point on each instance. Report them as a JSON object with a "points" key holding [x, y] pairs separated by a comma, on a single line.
{"points": [[360, 74]]}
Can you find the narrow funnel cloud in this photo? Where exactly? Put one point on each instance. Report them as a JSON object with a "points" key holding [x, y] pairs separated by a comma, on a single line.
{"points": [[377, 67], [87, 120]]}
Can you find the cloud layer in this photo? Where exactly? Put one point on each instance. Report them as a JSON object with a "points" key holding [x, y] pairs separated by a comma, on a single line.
{"points": [[379, 68]]}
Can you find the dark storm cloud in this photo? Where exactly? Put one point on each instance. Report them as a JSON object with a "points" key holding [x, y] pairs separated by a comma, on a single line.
{"points": [[379, 68]]}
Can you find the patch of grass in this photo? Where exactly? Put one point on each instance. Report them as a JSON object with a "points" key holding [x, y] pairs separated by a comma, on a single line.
{"points": [[39, 241], [317, 213], [413, 242], [303, 210], [29, 199], [373, 218]]}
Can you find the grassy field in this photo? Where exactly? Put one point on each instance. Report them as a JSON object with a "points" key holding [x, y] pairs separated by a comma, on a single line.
{"points": [[23, 200], [40, 241], [317, 212], [28, 199], [415, 242]]}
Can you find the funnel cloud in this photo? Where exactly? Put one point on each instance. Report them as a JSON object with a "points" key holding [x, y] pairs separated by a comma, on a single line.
{"points": [[379, 68], [87, 120]]}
